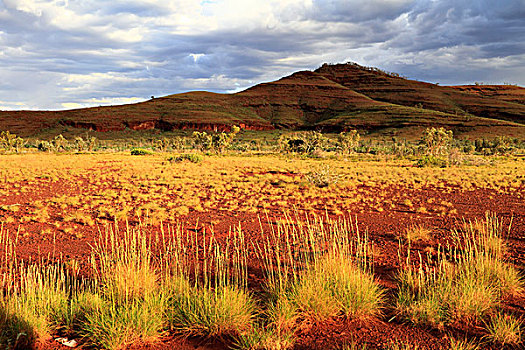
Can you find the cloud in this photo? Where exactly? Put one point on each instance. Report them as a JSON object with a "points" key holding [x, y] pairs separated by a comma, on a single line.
{"points": [[59, 54]]}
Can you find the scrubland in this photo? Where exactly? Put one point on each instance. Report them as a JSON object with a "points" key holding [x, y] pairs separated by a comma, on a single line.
{"points": [[260, 251]]}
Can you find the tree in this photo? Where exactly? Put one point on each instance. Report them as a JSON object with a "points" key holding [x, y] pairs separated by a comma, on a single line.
{"points": [[80, 144], [7, 140], [218, 142], [202, 140], [437, 141], [11, 142], [347, 141], [91, 143], [306, 142], [59, 142]]}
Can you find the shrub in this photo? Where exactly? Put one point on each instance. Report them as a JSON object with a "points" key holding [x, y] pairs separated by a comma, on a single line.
{"points": [[10, 141], [217, 142], [80, 144], [59, 143], [323, 176], [194, 158], [141, 152], [45, 146], [437, 141], [348, 141], [202, 140], [304, 143], [431, 161]]}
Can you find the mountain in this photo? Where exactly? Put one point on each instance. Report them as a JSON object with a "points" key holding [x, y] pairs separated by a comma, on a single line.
{"points": [[332, 98]]}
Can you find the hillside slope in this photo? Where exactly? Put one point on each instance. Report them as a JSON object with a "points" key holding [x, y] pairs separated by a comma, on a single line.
{"points": [[391, 88], [332, 98]]}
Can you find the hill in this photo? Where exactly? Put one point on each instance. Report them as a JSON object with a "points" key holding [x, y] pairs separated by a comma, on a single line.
{"points": [[331, 98]]}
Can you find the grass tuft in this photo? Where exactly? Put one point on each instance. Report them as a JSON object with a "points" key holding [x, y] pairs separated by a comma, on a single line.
{"points": [[319, 270], [463, 345], [504, 329], [224, 311], [464, 285], [417, 233]]}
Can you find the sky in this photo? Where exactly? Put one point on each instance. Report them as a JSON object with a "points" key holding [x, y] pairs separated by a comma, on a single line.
{"points": [[63, 54]]}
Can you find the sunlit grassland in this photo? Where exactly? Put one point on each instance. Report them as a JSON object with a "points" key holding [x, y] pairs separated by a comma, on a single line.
{"points": [[153, 278], [81, 190]]}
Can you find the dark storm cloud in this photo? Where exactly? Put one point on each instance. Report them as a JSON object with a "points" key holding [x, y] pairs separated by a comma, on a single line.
{"points": [[88, 52], [450, 23]]}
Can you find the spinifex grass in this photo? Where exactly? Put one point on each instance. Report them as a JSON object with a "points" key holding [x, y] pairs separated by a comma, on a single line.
{"points": [[504, 329], [35, 302], [142, 287], [34, 298], [216, 303], [466, 283], [317, 270], [130, 304]]}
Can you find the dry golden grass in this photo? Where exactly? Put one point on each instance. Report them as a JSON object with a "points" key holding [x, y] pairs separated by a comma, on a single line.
{"points": [[85, 188]]}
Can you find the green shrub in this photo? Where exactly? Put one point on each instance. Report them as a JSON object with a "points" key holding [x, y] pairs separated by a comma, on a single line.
{"points": [[45, 146], [141, 152], [217, 142], [10, 141], [437, 140], [348, 141], [304, 143], [431, 161], [194, 158]]}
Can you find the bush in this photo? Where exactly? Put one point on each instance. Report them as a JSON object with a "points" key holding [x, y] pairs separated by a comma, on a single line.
{"points": [[59, 143], [348, 141], [303, 143], [45, 146], [141, 152], [194, 158], [10, 141], [323, 176], [431, 161], [217, 142], [437, 141]]}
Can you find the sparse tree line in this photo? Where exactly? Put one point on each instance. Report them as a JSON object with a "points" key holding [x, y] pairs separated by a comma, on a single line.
{"points": [[436, 146]]}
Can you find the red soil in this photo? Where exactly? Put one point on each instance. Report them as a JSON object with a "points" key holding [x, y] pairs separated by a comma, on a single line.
{"points": [[383, 228]]}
